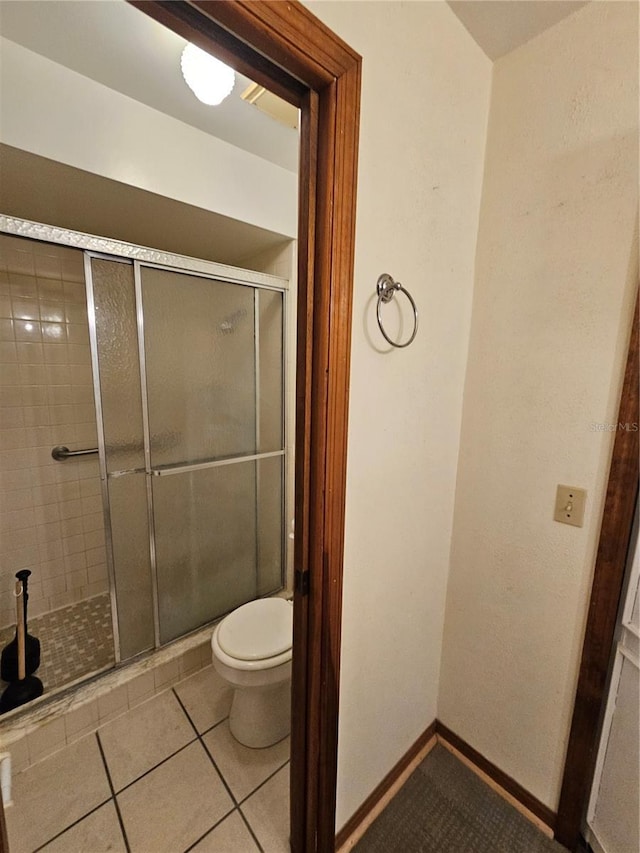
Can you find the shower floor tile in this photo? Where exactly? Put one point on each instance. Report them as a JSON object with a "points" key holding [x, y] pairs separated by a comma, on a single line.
{"points": [[149, 782], [75, 641]]}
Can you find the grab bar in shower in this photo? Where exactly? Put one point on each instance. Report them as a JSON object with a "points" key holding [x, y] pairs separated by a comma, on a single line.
{"points": [[60, 453]]}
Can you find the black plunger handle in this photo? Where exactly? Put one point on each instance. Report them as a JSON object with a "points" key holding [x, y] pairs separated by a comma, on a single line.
{"points": [[23, 576]]}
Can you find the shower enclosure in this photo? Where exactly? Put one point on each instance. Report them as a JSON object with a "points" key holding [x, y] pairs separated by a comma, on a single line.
{"points": [[190, 423], [187, 361]]}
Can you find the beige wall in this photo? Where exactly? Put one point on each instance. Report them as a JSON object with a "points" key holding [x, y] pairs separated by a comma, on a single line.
{"points": [[551, 313], [50, 512], [425, 97]]}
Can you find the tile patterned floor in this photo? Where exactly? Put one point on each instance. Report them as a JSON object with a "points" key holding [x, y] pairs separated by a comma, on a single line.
{"points": [[75, 641], [166, 777]]}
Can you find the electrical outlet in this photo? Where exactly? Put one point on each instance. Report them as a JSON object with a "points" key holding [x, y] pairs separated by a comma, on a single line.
{"points": [[570, 503]]}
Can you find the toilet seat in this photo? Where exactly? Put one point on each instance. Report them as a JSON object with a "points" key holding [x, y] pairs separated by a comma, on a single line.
{"points": [[257, 635], [257, 630]]}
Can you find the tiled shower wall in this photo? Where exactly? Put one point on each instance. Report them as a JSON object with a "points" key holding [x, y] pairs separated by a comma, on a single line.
{"points": [[50, 512]]}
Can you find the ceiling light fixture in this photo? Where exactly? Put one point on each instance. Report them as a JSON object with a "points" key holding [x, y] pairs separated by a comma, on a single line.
{"points": [[209, 79]]}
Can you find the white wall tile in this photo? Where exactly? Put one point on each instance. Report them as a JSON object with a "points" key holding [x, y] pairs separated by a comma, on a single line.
{"points": [[46, 398]]}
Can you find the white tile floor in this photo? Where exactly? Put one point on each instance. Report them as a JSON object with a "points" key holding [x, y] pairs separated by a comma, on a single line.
{"points": [[166, 777]]}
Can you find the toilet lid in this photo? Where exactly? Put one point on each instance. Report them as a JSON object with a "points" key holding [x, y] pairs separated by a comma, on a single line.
{"points": [[257, 630]]}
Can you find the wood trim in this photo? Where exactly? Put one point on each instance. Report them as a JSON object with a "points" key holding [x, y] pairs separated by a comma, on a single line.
{"points": [[377, 795], [301, 817], [305, 47], [284, 47], [502, 779], [337, 157], [611, 559]]}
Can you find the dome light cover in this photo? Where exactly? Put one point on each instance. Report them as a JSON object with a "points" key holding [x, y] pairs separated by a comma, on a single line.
{"points": [[209, 79]]}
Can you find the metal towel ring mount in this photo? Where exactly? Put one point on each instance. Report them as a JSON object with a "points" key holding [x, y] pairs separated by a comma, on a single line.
{"points": [[386, 289]]}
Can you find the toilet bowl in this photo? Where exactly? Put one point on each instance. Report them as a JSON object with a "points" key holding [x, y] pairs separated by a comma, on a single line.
{"points": [[252, 653]]}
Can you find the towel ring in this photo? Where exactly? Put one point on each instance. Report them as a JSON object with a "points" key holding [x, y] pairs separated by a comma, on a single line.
{"points": [[386, 289]]}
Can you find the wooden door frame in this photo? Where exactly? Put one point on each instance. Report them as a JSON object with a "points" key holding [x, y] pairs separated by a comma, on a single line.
{"points": [[282, 46], [609, 573]]}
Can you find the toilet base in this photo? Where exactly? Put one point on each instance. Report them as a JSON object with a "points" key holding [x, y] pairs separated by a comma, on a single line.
{"points": [[261, 716]]}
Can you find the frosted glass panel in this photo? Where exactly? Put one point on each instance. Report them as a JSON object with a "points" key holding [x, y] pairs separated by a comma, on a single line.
{"points": [[130, 537], [269, 513], [205, 525], [270, 370], [200, 363], [117, 336]]}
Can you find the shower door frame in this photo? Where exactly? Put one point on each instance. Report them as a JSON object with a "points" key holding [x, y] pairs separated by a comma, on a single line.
{"points": [[284, 47]]}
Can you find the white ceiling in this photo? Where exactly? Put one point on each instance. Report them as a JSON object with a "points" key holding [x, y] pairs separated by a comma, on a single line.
{"points": [[119, 46], [499, 26]]}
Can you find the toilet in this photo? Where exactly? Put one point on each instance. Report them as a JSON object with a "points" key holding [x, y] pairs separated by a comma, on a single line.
{"points": [[252, 653]]}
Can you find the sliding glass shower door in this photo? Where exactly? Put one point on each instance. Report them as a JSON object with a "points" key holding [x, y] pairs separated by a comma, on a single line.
{"points": [[213, 375], [197, 446]]}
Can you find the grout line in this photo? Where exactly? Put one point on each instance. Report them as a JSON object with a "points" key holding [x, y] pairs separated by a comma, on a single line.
{"points": [[113, 794], [261, 785], [155, 766], [264, 782], [224, 781], [214, 726], [199, 737], [209, 831], [251, 832], [71, 825]]}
